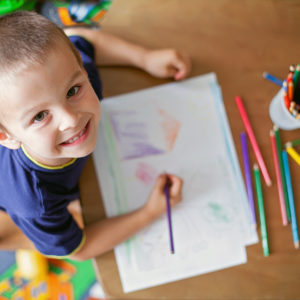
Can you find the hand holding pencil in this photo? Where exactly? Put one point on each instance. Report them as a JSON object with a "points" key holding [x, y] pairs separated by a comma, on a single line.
{"points": [[166, 193], [156, 204]]}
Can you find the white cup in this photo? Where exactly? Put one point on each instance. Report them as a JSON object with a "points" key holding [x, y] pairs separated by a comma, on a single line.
{"points": [[280, 114]]}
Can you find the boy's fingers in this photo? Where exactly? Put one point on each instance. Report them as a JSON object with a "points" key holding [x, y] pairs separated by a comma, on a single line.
{"points": [[180, 74], [161, 181], [182, 66], [174, 181], [176, 185]]}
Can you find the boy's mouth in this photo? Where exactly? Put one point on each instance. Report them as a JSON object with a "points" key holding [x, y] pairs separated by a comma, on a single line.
{"points": [[79, 137]]}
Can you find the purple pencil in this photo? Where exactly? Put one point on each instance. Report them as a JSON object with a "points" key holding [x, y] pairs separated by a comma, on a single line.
{"points": [[247, 173], [166, 190]]}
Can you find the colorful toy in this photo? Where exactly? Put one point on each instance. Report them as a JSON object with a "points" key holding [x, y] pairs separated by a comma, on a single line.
{"points": [[7, 6], [35, 277]]}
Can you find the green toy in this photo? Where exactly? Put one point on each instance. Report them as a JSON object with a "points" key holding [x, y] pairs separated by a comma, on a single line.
{"points": [[7, 6]]}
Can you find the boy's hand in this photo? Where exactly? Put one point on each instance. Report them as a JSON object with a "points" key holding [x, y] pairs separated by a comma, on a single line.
{"points": [[156, 204], [167, 63]]}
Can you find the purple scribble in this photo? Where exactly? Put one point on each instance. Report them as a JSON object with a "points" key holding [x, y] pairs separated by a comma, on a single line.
{"points": [[132, 136], [114, 119], [141, 150]]}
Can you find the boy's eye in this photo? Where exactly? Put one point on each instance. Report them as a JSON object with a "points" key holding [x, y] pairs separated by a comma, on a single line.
{"points": [[72, 91], [40, 116]]}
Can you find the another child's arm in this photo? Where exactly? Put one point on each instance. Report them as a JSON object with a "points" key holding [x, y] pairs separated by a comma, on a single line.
{"points": [[104, 235], [112, 50]]}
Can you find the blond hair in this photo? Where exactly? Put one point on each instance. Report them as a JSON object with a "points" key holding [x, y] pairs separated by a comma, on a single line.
{"points": [[26, 38]]}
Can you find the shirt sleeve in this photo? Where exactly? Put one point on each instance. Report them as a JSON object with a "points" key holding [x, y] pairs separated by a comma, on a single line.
{"points": [[86, 51], [52, 235]]}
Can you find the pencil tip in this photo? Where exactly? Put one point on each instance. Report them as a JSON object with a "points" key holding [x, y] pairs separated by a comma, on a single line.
{"points": [[269, 183], [297, 245]]}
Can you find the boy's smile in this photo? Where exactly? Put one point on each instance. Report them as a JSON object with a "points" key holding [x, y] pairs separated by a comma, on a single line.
{"points": [[51, 109], [78, 138]]}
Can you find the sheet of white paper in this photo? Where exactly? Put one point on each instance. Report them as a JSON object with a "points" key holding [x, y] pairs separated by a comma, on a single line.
{"points": [[179, 128]]}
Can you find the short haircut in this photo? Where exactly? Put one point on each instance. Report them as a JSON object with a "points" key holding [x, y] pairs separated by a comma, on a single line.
{"points": [[26, 38]]}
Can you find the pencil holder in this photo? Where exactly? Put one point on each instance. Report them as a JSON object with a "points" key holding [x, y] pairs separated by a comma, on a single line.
{"points": [[285, 106]]}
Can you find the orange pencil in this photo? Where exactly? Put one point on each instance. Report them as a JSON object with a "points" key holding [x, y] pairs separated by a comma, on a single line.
{"points": [[291, 90], [286, 100]]}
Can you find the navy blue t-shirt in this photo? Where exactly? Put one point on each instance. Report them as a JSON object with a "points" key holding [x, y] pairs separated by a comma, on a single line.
{"points": [[35, 196]]}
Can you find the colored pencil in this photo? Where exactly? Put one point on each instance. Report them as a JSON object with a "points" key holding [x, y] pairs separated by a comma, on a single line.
{"points": [[261, 210], [282, 173], [167, 194], [278, 178], [293, 143], [291, 90], [253, 142], [285, 86], [272, 78], [286, 101], [296, 76], [291, 199], [247, 173], [292, 69], [293, 153]]}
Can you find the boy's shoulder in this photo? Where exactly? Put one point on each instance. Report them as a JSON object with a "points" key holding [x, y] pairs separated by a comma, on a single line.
{"points": [[31, 190], [19, 188]]}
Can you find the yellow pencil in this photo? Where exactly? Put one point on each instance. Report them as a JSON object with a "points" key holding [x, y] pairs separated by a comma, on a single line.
{"points": [[293, 153]]}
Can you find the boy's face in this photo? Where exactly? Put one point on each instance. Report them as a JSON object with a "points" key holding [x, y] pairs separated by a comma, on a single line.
{"points": [[51, 109]]}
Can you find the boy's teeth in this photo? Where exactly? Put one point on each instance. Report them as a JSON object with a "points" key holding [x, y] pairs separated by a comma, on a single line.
{"points": [[70, 141]]}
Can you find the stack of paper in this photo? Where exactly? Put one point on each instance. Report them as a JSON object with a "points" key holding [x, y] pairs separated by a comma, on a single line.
{"points": [[179, 128]]}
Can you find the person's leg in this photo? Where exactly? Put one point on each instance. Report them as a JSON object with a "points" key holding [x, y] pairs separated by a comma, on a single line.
{"points": [[75, 210]]}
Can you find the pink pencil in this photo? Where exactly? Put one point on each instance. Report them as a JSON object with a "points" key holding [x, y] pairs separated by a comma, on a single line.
{"points": [[253, 142], [278, 178]]}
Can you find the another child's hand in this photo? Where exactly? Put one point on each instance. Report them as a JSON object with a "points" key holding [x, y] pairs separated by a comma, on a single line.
{"points": [[156, 204], [167, 63]]}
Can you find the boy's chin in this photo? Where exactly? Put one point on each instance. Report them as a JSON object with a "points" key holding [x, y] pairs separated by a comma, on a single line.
{"points": [[87, 151]]}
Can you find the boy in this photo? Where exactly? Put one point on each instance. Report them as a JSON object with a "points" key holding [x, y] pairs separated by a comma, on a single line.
{"points": [[49, 113]]}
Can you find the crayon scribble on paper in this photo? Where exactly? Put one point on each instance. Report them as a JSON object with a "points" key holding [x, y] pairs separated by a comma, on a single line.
{"points": [[132, 135], [146, 173], [138, 137], [170, 127]]}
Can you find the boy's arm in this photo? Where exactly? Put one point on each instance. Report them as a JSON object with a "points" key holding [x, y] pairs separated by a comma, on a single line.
{"points": [[112, 50], [104, 235]]}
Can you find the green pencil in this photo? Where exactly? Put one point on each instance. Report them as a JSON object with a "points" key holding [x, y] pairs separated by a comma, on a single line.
{"points": [[261, 211], [293, 143], [297, 74], [282, 173]]}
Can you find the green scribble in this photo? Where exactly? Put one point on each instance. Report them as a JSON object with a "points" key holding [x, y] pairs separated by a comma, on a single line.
{"points": [[218, 212], [116, 172]]}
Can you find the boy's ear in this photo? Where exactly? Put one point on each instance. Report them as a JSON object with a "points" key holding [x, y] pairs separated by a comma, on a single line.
{"points": [[7, 141]]}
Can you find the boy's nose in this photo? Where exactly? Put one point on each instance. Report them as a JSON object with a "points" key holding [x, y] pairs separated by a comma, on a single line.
{"points": [[69, 119]]}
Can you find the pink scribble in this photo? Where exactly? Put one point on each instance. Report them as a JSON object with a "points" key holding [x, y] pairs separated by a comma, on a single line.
{"points": [[146, 173]]}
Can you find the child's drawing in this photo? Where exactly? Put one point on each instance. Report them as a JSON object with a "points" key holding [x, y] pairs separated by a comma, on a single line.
{"points": [[179, 128], [146, 173], [136, 138], [170, 127]]}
